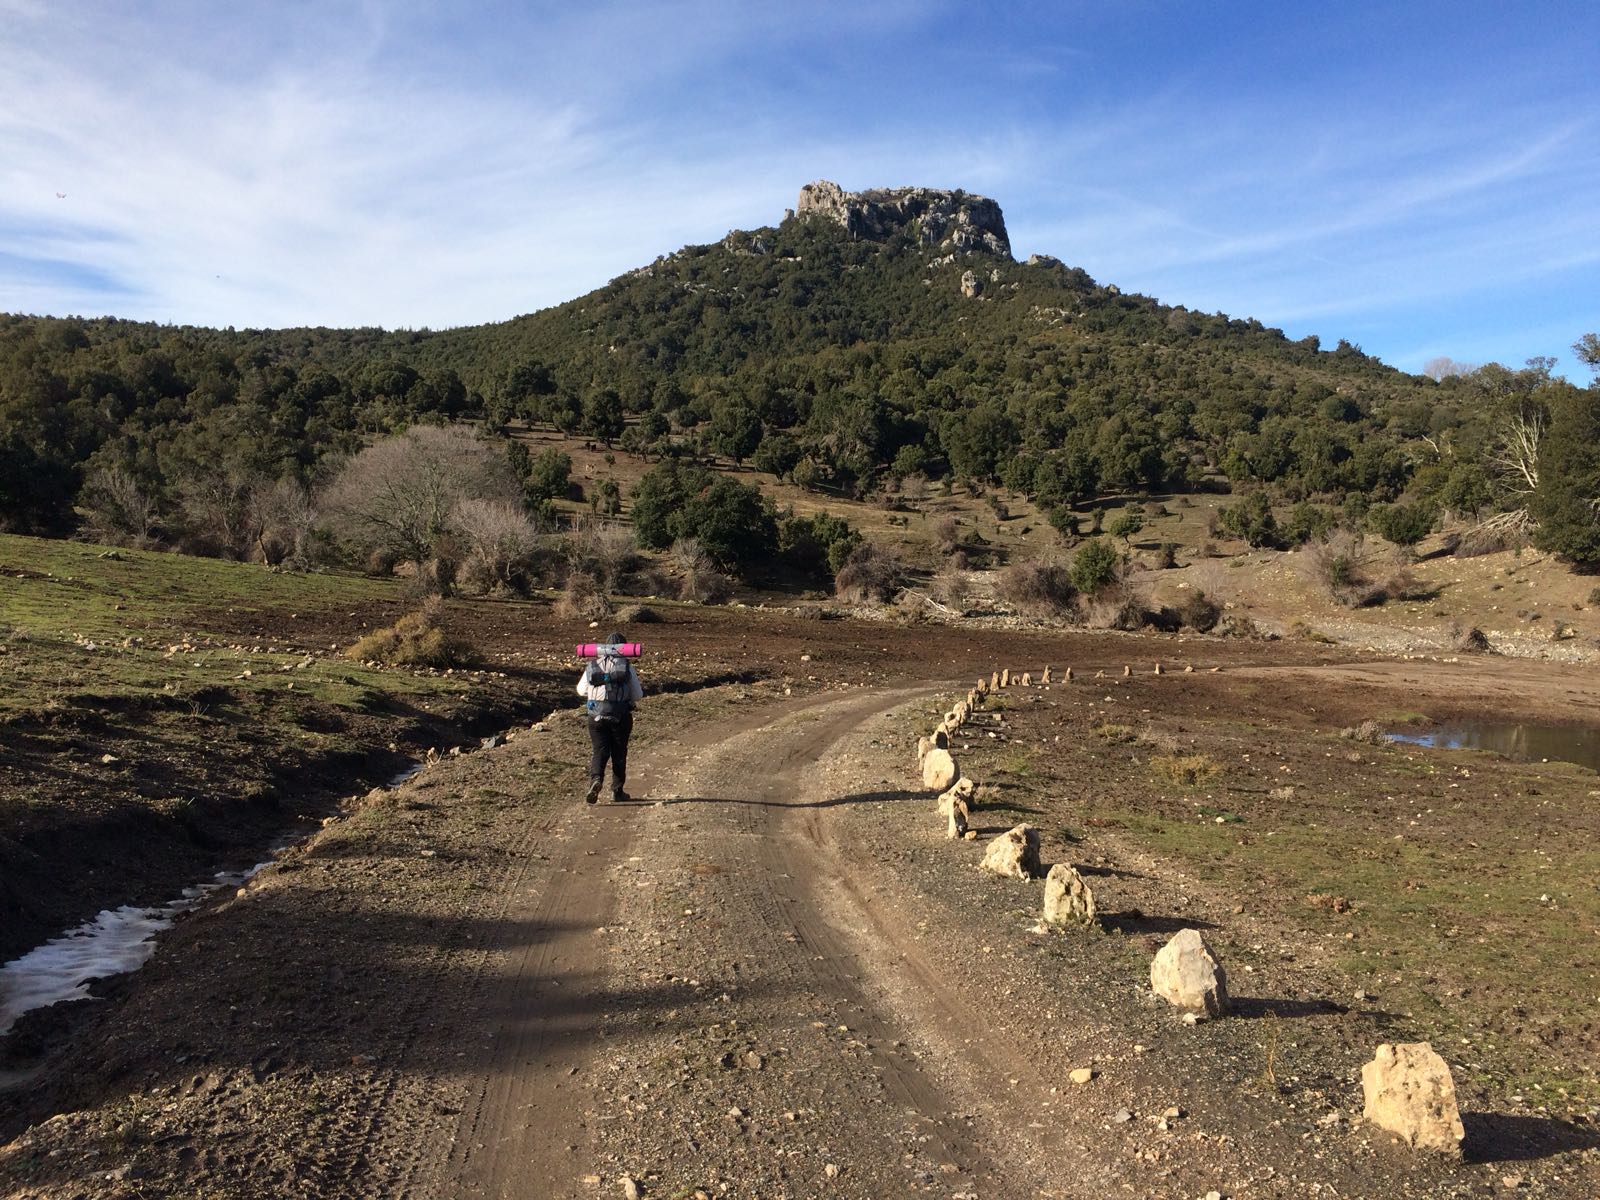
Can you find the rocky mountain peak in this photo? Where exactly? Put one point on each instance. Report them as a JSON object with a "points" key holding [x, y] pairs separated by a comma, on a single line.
{"points": [[949, 220]]}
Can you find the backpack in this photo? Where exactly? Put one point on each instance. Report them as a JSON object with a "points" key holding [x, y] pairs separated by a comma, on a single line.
{"points": [[610, 670]]}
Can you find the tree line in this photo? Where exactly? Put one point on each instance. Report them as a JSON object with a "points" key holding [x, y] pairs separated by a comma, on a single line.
{"points": [[848, 367]]}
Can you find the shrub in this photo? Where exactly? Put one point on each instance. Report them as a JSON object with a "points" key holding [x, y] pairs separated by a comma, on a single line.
{"points": [[415, 640], [549, 475], [733, 523], [638, 614], [1307, 522], [1185, 770], [1469, 640], [582, 599], [606, 498], [1402, 524], [1095, 566], [947, 534], [951, 585], [1252, 521], [698, 577], [817, 545], [1115, 733], [603, 549], [1038, 589], [871, 575], [1338, 564], [1065, 522], [1199, 612], [499, 540]]}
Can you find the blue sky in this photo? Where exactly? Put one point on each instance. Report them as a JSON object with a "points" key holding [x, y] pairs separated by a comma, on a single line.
{"points": [[1422, 179]]}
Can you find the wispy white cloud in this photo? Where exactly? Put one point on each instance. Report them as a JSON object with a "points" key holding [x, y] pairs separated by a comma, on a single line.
{"points": [[426, 164]]}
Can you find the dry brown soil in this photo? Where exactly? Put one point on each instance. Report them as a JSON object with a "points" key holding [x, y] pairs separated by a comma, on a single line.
{"points": [[771, 975]]}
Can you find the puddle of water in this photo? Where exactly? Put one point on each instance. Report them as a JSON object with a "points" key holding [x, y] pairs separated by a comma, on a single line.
{"points": [[116, 941], [1528, 743]]}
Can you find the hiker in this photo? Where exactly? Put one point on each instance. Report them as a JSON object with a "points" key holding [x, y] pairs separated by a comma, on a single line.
{"points": [[612, 688]]}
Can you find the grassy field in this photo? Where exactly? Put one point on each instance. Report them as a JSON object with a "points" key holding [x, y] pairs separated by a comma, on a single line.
{"points": [[1453, 890]]}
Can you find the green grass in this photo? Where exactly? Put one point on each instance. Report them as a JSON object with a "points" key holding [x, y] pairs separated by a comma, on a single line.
{"points": [[80, 621]]}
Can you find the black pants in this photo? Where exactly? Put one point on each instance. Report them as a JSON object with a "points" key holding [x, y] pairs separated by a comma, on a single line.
{"points": [[610, 741]]}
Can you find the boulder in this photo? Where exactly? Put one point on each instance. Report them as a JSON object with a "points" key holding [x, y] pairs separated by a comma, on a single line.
{"points": [[1068, 900], [941, 740], [1045, 676], [924, 744], [970, 286], [939, 770], [956, 815], [1014, 853], [1005, 677], [994, 682], [1027, 679], [1067, 675], [1187, 975], [1409, 1092], [962, 789]]}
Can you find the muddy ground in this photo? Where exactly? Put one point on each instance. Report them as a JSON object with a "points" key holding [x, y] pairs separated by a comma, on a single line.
{"points": [[773, 976]]}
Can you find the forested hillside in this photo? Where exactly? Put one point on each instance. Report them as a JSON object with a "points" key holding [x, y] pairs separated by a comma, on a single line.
{"points": [[844, 362]]}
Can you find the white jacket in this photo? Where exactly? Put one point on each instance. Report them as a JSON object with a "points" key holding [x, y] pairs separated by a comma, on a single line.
{"points": [[597, 691]]}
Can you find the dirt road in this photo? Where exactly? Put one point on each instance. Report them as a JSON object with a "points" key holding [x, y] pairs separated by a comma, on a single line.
{"points": [[808, 1039]]}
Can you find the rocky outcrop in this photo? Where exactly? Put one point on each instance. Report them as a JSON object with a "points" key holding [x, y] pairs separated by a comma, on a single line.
{"points": [[1409, 1091], [949, 220]]}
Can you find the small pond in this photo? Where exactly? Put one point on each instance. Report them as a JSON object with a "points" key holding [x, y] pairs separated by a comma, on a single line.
{"points": [[1518, 740]]}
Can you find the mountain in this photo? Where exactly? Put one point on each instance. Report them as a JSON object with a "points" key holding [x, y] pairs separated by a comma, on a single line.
{"points": [[890, 330], [865, 336]]}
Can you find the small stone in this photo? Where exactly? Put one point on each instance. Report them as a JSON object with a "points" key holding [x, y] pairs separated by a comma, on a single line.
{"points": [[1122, 1116], [632, 1189], [1082, 1074], [831, 1170]]}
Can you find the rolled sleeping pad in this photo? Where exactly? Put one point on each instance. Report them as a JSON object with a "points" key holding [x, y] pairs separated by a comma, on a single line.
{"points": [[592, 650]]}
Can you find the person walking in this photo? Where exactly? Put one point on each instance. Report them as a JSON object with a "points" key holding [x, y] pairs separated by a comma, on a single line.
{"points": [[611, 688]]}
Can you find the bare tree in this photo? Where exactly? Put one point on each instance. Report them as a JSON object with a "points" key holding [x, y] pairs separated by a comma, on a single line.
{"points": [[399, 494], [499, 538], [281, 517], [1444, 366], [116, 509], [699, 579], [1515, 454], [605, 549]]}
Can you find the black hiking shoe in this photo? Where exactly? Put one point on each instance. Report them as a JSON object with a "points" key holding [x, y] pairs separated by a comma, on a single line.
{"points": [[594, 791], [618, 796]]}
